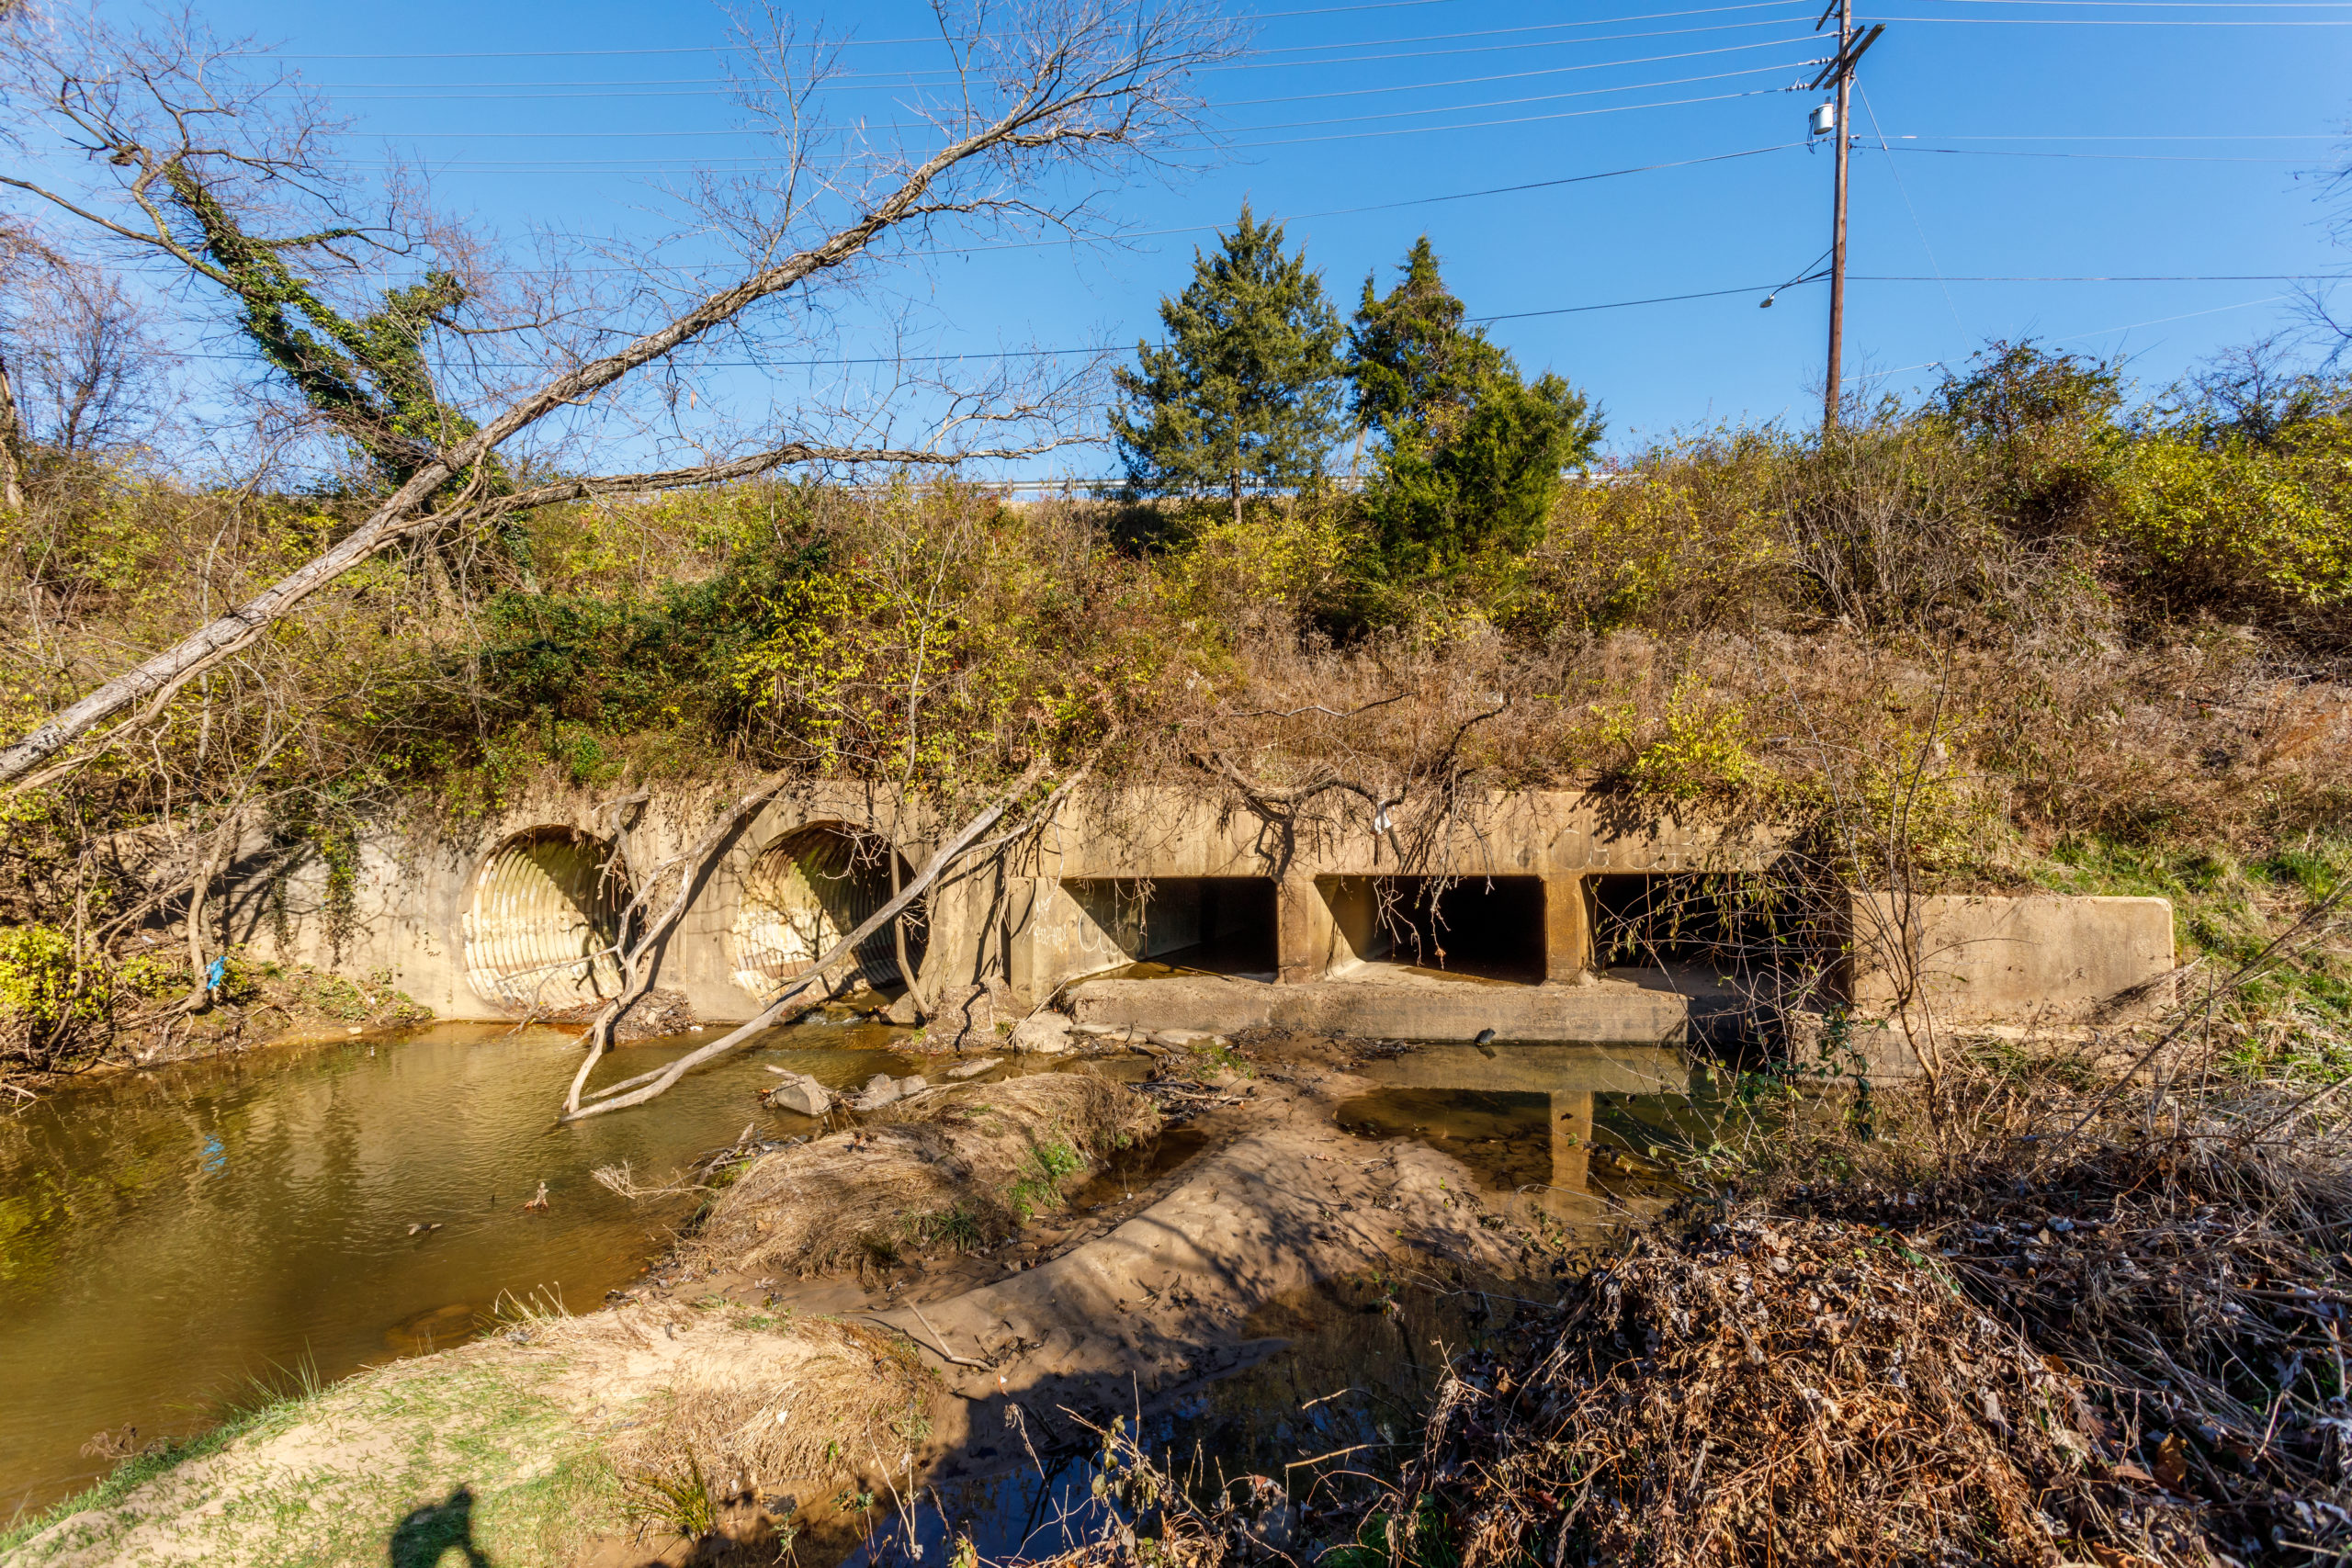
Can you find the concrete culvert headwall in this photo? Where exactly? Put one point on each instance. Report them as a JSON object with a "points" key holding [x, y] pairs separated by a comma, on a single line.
{"points": [[807, 891], [544, 916]]}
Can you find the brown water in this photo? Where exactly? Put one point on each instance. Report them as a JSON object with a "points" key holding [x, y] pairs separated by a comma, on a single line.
{"points": [[169, 1237]]}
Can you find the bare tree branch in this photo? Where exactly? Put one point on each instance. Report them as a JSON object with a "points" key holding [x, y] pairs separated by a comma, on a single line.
{"points": [[1068, 82], [947, 856]]}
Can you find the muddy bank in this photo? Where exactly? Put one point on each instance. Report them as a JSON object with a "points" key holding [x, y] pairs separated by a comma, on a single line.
{"points": [[730, 1382]]}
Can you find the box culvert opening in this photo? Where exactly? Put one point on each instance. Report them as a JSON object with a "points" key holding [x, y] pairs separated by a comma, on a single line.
{"points": [[1223, 925], [1732, 924], [545, 916], [807, 891], [1745, 950], [1488, 928]]}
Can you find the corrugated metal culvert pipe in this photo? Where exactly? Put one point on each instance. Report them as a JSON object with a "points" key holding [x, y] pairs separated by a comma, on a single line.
{"points": [[545, 915], [807, 891]]}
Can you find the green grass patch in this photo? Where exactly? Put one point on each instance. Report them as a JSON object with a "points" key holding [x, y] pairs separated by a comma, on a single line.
{"points": [[2297, 1014], [1039, 1188]]}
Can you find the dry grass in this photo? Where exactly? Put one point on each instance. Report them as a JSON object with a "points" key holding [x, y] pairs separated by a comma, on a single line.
{"points": [[741, 1402], [1794, 1392], [962, 1165]]}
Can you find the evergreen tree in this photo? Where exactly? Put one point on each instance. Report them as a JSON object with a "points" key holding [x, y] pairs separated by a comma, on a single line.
{"points": [[1470, 453], [1409, 357], [1247, 394]]}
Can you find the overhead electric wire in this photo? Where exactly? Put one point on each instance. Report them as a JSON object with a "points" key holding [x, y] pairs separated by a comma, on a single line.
{"points": [[1798, 39], [569, 135], [715, 88], [936, 38], [1106, 349], [2095, 21], [2167, 136], [1511, 120], [1903, 191], [1517, 188], [2097, 157]]}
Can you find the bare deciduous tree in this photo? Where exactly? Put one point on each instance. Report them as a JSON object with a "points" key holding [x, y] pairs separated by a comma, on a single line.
{"points": [[85, 367], [223, 176]]}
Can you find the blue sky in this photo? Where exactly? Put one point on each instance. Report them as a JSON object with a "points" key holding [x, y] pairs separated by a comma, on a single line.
{"points": [[2026, 139]]}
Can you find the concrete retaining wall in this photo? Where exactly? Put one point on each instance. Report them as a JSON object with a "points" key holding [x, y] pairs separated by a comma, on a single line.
{"points": [[2033, 960], [417, 911]]}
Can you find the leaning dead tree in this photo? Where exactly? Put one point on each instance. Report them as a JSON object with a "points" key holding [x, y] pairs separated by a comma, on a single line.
{"points": [[794, 999], [161, 147]]}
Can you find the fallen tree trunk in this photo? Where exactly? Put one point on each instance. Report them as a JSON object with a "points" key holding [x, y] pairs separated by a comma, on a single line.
{"points": [[948, 852], [636, 961]]}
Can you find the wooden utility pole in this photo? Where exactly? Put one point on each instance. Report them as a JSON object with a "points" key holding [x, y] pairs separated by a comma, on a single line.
{"points": [[1841, 69], [12, 447]]}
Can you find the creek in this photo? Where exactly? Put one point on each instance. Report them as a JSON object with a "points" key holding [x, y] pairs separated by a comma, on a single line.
{"points": [[176, 1243]]}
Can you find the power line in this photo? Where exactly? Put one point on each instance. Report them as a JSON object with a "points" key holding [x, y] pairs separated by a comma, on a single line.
{"points": [[681, 135], [1510, 119], [2175, 5], [2096, 21], [662, 165], [2108, 277], [2168, 136], [1107, 349], [855, 80], [1400, 204], [2097, 157], [426, 98], [1903, 191], [934, 37]]}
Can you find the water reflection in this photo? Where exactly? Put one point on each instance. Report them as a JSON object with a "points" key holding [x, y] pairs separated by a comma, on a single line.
{"points": [[1570, 1131], [167, 1238]]}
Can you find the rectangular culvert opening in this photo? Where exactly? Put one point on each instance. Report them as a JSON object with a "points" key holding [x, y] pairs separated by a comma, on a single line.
{"points": [[1488, 928], [1735, 944], [1218, 925]]}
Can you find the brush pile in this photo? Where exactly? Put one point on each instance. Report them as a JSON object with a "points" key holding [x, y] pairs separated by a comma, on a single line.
{"points": [[2132, 1354], [2201, 1281], [1794, 1392]]}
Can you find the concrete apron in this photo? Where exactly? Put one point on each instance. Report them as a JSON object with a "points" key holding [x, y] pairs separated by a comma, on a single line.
{"points": [[1549, 1039], [1605, 1011]]}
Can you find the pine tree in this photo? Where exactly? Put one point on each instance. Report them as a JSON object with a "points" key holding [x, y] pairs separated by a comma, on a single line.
{"points": [[1470, 453], [1247, 394], [1409, 357]]}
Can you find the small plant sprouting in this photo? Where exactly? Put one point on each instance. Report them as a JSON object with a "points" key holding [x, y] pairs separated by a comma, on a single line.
{"points": [[682, 1505]]}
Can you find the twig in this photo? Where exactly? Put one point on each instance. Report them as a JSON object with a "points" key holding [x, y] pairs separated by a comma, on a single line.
{"points": [[939, 1340]]}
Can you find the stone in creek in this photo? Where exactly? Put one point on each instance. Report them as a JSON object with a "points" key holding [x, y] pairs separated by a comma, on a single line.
{"points": [[800, 1092], [1046, 1035], [881, 1090], [974, 1069]]}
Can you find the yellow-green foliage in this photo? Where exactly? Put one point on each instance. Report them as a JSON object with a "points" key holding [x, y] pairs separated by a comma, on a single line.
{"points": [[1698, 749], [38, 978], [944, 633], [1663, 539], [41, 986], [2211, 516], [1309, 556]]}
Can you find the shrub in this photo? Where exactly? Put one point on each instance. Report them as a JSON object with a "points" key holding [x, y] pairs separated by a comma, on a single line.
{"points": [[2238, 523]]}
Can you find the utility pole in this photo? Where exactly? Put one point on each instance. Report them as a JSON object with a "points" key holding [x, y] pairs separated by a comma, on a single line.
{"points": [[1841, 68]]}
